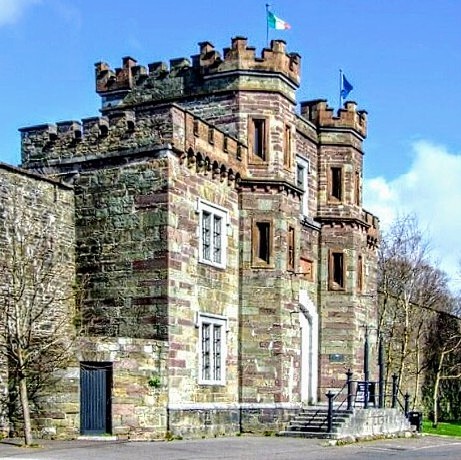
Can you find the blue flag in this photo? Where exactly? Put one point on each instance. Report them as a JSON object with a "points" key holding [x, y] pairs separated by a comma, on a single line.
{"points": [[346, 88]]}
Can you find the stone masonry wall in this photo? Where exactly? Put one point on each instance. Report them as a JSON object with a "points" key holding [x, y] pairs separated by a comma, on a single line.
{"points": [[345, 313], [121, 215], [270, 333], [345, 310], [138, 394], [37, 243], [198, 288]]}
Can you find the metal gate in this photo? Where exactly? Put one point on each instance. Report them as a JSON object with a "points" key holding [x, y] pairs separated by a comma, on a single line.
{"points": [[95, 398]]}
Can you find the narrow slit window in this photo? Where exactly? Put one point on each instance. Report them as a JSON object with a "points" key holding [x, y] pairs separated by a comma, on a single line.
{"points": [[196, 128], [291, 248], [302, 171], [336, 190], [259, 138], [337, 270], [287, 147], [357, 188], [359, 273], [262, 244]]}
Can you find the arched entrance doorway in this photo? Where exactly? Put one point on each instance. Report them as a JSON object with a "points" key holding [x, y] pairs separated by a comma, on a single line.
{"points": [[308, 320]]}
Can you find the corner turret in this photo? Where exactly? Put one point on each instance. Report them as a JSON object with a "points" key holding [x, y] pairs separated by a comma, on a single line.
{"points": [[319, 113]]}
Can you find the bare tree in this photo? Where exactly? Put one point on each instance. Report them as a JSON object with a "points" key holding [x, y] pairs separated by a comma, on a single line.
{"points": [[36, 296], [443, 355], [410, 289]]}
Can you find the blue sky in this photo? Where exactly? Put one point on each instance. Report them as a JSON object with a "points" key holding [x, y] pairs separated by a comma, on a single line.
{"points": [[402, 58]]}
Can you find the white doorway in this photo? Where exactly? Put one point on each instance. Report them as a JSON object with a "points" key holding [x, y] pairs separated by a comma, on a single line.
{"points": [[308, 321]]}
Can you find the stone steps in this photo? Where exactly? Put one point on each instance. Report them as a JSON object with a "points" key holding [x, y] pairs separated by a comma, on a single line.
{"points": [[313, 423]]}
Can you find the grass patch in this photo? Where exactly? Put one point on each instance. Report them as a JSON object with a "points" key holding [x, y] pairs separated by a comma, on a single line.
{"points": [[446, 429]]}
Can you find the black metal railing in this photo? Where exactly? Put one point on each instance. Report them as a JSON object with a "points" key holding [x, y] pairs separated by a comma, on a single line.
{"points": [[397, 393], [363, 392], [347, 401]]}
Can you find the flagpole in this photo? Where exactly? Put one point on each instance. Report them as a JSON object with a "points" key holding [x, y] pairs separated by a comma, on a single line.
{"points": [[340, 88], [267, 24]]}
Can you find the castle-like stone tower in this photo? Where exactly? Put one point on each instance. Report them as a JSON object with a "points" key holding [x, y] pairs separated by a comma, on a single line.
{"points": [[229, 266]]}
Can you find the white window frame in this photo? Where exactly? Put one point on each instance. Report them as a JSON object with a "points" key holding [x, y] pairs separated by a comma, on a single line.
{"points": [[212, 328], [305, 165], [215, 213]]}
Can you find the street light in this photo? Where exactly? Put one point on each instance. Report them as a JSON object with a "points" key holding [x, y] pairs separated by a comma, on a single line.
{"points": [[381, 372], [366, 366]]}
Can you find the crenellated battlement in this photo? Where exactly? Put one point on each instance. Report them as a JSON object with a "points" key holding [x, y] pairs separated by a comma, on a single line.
{"points": [[186, 76], [70, 139], [128, 133], [373, 229], [275, 59], [323, 116]]}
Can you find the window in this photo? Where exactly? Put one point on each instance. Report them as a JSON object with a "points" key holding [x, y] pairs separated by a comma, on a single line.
{"points": [[196, 128], [210, 135], [359, 274], [287, 147], [302, 171], [212, 356], [357, 188], [212, 229], [291, 248], [258, 138], [262, 243], [336, 270], [336, 184]]}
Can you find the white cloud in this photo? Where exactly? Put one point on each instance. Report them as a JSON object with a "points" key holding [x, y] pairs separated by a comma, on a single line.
{"points": [[11, 10], [430, 190]]}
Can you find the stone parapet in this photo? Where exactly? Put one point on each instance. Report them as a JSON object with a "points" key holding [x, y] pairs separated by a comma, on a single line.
{"points": [[125, 133], [209, 148], [323, 116], [239, 56], [367, 423], [196, 421], [72, 141]]}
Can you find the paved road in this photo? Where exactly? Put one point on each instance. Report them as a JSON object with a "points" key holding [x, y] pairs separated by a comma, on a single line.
{"points": [[240, 448]]}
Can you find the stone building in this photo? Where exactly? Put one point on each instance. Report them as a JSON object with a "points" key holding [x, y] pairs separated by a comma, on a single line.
{"points": [[229, 266]]}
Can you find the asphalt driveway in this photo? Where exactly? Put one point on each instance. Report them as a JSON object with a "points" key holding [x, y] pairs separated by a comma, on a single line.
{"points": [[238, 448]]}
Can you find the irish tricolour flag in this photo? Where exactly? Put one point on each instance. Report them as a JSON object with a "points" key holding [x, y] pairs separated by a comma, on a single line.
{"points": [[275, 22]]}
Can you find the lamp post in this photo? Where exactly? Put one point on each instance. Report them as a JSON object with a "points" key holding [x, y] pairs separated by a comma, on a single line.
{"points": [[366, 350], [366, 370], [366, 365], [381, 402]]}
